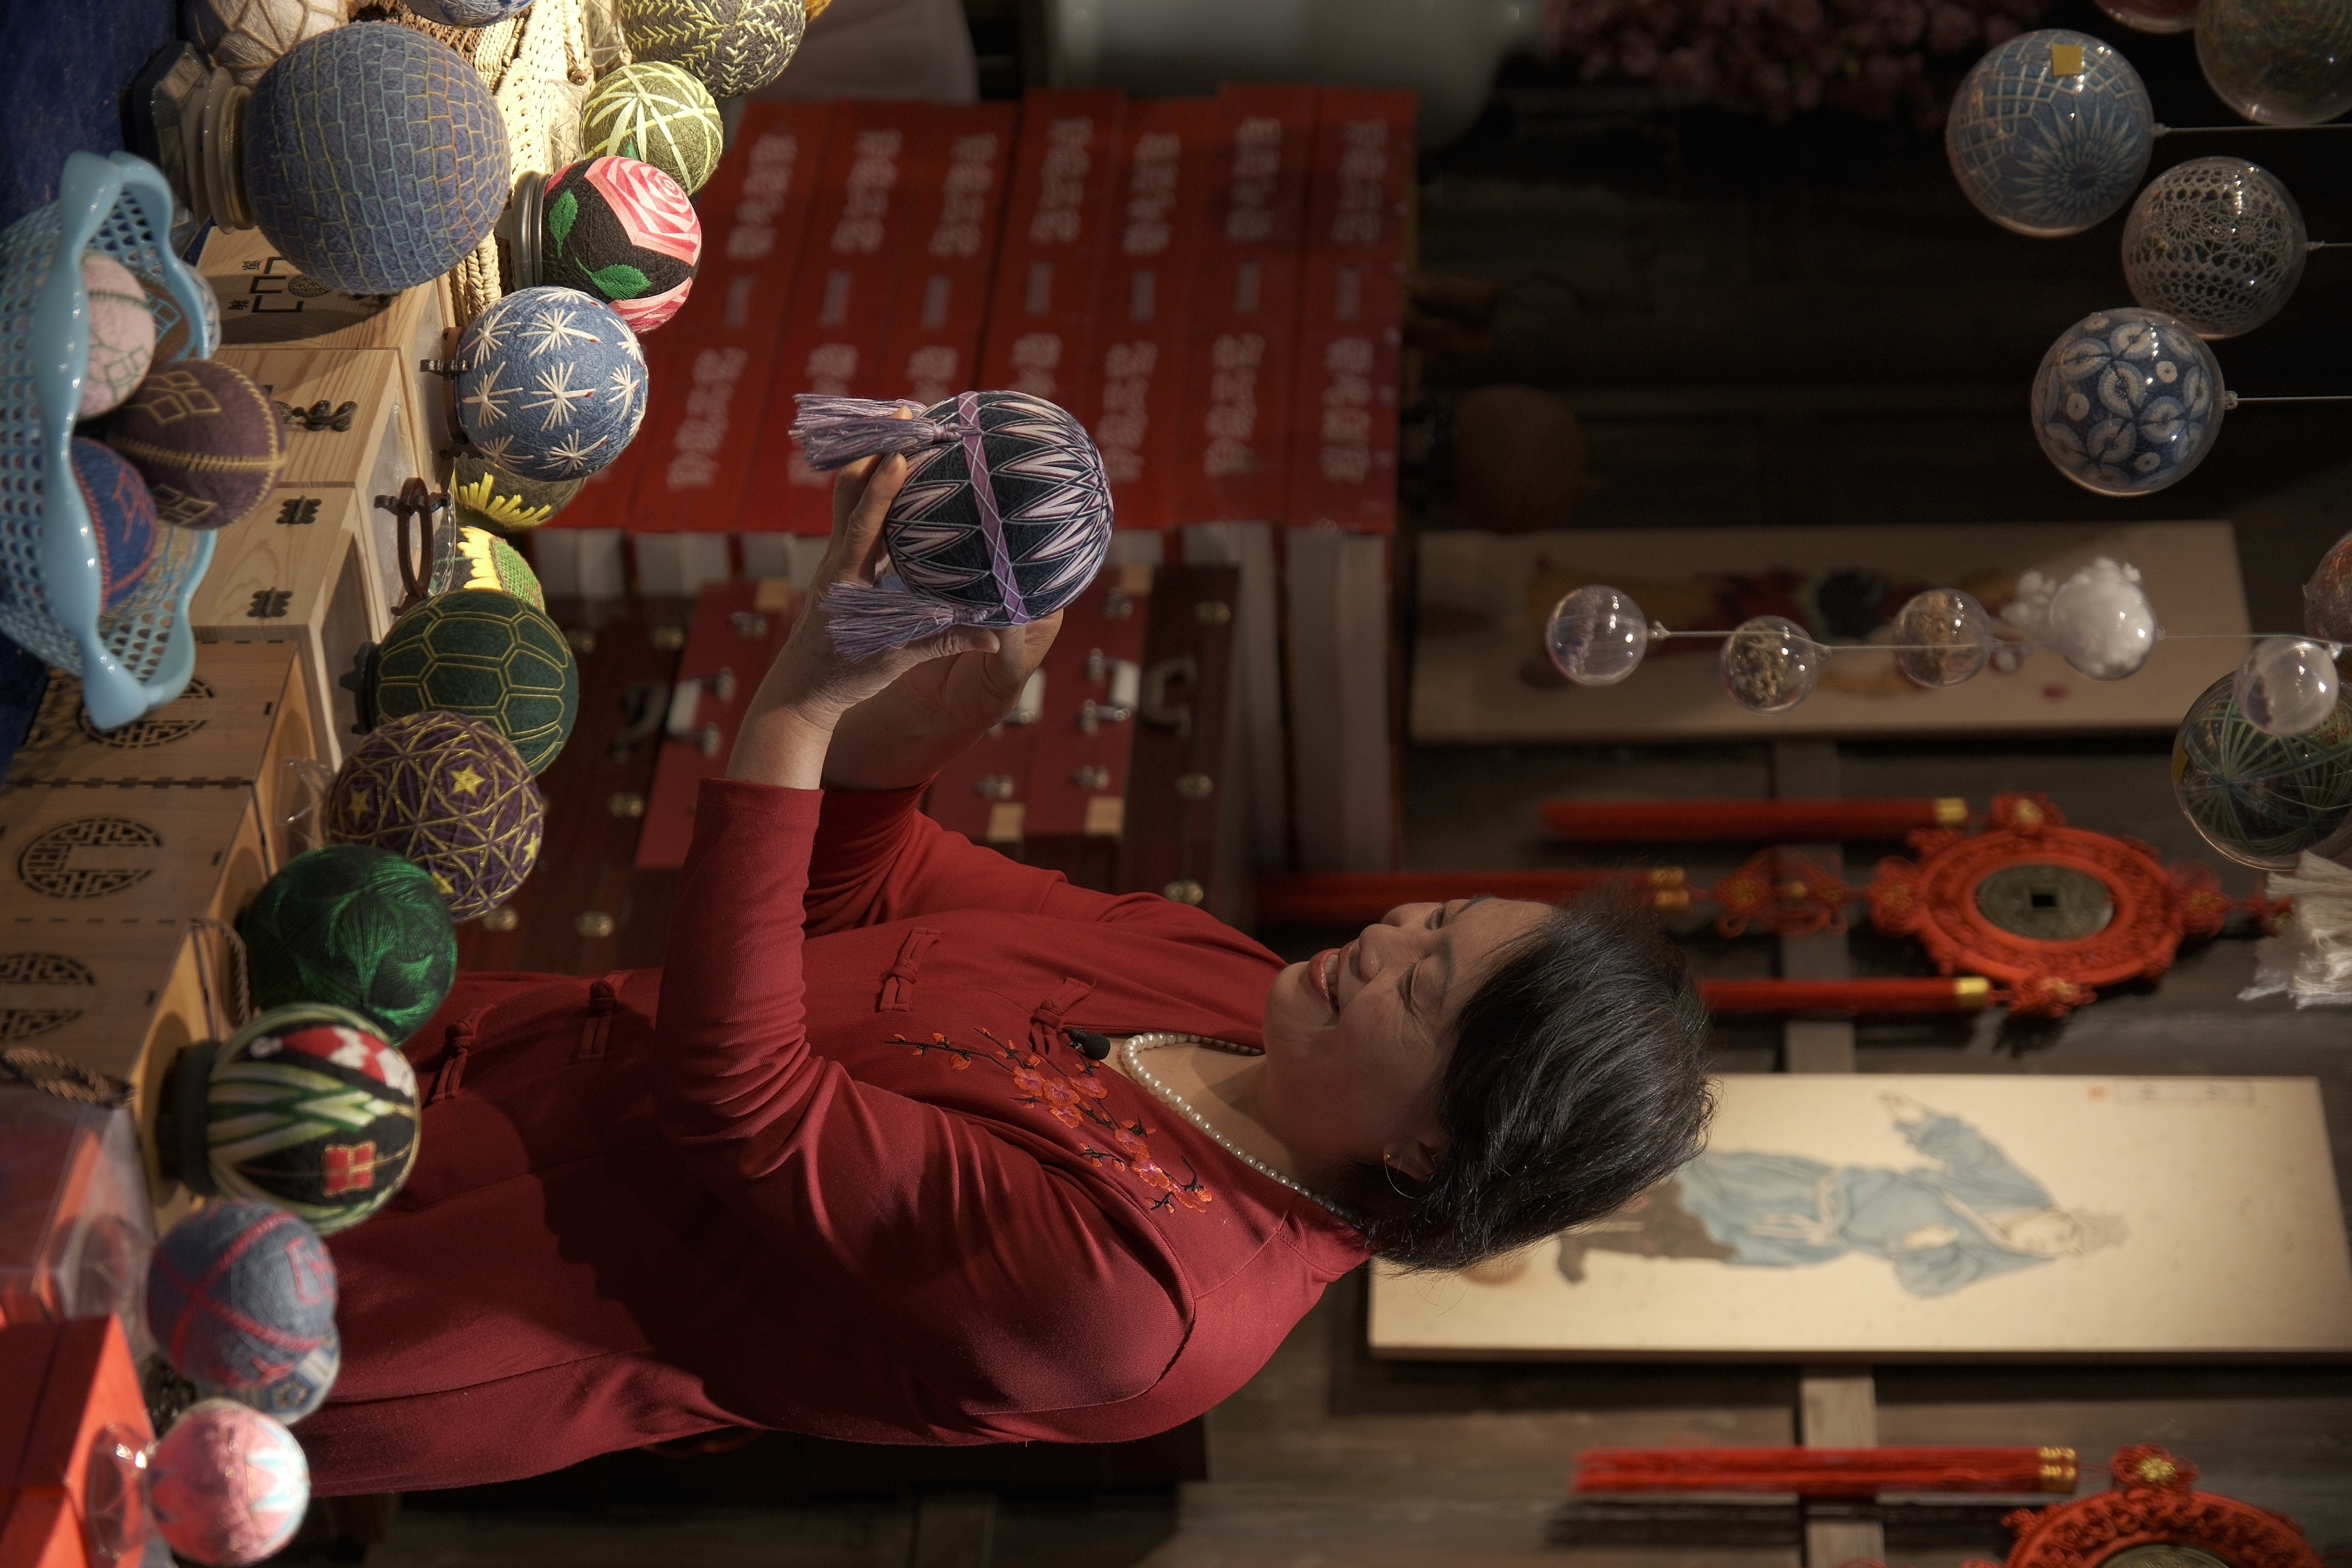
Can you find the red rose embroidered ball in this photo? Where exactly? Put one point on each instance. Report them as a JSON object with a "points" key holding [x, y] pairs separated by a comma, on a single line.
{"points": [[206, 439], [121, 517], [621, 232]]}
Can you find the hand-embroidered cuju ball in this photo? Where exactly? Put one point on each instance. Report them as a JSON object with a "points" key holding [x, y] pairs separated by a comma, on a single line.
{"points": [[482, 560], [374, 158], [121, 333], [300, 1392], [731, 46], [551, 384], [238, 1293], [307, 1107], [228, 1485], [484, 654], [1004, 517], [206, 439], [486, 496], [245, 37], [353, 927], [449, 793], [121, 518], [654, 111], [622, 232]]}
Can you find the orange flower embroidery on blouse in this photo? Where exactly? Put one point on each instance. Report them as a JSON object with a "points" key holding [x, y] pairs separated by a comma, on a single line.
{"points": [[1076, 1101]]}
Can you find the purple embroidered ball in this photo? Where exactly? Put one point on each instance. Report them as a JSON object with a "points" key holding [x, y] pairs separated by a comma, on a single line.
{"points": [[1005, 516]]}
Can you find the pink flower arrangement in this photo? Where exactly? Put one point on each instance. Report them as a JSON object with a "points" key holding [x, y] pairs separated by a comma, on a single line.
{"points": [[1780, 57]]}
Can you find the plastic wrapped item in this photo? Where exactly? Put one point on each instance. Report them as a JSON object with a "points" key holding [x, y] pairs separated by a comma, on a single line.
{"points": [[76, 1226]]}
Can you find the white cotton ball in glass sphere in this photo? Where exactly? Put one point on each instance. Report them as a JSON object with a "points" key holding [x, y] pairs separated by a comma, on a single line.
{"points": [[1596, 635], [2286, 686], [2101, 623], [1770, 664], [1942, 638]]}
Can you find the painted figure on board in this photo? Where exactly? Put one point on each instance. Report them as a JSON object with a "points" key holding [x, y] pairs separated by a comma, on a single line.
{"points": [[1970, 1215]]}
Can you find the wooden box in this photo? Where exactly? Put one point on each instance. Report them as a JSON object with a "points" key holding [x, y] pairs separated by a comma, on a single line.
{"points": [[362, 441], [294, 573], [266, 302], [245, 715], [132, 854]]}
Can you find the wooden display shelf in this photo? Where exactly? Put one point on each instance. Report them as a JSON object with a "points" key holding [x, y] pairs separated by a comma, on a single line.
{"points": [[267, 302], [294, 572], [245, 715], [144, 855], [361, 442]]}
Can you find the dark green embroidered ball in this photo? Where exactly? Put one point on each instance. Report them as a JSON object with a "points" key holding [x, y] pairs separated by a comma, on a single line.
{"points": [[354, 927], [487, 655]]}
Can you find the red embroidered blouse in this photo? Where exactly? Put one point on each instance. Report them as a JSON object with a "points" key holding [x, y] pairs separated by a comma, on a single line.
{"points": [[834, 1169]]}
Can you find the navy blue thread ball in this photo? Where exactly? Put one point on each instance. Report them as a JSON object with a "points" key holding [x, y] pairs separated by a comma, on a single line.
{"points": [[374, 158], [239, 1292]]}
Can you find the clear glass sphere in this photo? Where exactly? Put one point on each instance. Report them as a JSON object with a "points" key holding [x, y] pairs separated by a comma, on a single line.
{"points": [[2049, 133], [2261, 799], [1770, 664], [2286, 686], [2217, 242], [2327, 597], [2153, 16], [2100, 622], [1942, 638], [1596, 635], [2281, 62], [2127, 402]]}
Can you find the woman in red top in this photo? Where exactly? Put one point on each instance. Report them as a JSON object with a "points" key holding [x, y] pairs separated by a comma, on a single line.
{"points": [[846, 1165]]}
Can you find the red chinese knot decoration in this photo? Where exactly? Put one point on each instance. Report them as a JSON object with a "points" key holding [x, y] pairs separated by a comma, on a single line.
{"points": [[1940, 900], [2153, 1503]]}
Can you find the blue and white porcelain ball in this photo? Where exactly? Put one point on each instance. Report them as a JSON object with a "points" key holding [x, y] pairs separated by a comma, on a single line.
{"points": [[551, 384], [2049, 133], [2128, 402]]}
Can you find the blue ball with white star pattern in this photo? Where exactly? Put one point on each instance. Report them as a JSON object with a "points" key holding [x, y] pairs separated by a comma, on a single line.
{"points": [[551, 384], [2049, 133]]}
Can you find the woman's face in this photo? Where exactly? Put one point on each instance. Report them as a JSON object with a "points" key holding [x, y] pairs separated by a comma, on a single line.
{"points": [[1356, 1037]]}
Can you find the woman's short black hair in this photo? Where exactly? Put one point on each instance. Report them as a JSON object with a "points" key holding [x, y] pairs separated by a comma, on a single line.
{"points": [[1577, 1078]]}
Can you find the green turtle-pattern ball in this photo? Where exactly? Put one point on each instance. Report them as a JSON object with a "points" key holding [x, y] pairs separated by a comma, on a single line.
{"points": [[484, 495], [485, 654], [657, 113], [355, 927]]}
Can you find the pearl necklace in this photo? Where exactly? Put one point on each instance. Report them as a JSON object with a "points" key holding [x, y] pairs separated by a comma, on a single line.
{"points": [[1161, 1040]]}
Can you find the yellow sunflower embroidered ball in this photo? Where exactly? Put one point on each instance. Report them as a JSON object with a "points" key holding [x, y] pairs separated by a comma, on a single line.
{"points": [[449, 793], [484, 495]]}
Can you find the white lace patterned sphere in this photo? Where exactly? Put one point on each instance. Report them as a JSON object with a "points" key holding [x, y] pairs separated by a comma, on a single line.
{"points": [[2281, 62], [2217, 242], [2286, 686], [1596, 635], [2050, 133], [1942, 638], [2128, 402], [2100, 622], [551, 384], [245, 37]]}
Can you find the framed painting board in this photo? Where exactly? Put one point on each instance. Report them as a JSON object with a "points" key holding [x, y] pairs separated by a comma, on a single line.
{"points": [[1890, 1218], [1480, 676]]}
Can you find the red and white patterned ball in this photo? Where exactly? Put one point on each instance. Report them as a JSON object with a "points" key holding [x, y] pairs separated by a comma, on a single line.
{"points": [[229, 1484]]}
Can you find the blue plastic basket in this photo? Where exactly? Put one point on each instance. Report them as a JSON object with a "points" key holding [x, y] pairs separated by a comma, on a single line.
{"points": [[138, 656]]}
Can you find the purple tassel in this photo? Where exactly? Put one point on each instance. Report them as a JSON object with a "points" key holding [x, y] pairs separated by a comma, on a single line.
{"points": [[865, 621], [837, 431]]}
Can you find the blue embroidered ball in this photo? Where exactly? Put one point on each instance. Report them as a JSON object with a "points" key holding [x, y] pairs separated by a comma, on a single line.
{"points": [[551, 384], [121, 516], [2049, 133], [239, 1292], [374, 158], [1005, 517], [2128, 402]]}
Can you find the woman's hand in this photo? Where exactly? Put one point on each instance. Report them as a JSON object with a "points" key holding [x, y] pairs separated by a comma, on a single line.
{"points": [[927, 716], [789, 726]]}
